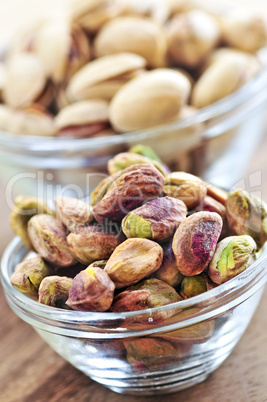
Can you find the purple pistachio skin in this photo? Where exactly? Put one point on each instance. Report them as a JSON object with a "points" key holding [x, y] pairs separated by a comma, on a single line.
{"points": [[73, 212], [168, 272], [95, 242], [146, 294], [136, 185], [54, 291], [195, 241], [29, 274], [91, 290], [157, 219], [48, 236]]}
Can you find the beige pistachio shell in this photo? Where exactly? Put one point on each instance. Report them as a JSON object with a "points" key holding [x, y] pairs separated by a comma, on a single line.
{"points": [[33, 120], [92, 14], [191, 37], [244, 29], [151, 99], [25, 79], [221, 78], [157, 10], [83, 112], [101, 70], [135, 35], [6, 115]]}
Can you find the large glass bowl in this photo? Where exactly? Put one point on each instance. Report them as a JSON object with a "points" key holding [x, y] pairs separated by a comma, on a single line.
{"points": [[216, 143], [169, 348]]}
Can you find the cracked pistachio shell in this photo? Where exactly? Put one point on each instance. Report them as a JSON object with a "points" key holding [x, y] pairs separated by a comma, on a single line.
{"points": [[23, 210], [168, 271], [157, 219], [136, 185], [232, 256], [244, 29], [29, 274], [73, 212], [223, 77], [145, 150], [186, 187], [162, 90], [102, 71], [135, 35], [195, 285], [54, 291], [191, 37], [125, 159], [133, 260], [148, 293], [246, 214], [92, 243], [48, 236], [91, 290], [25, 79], [195, 241], [153, 353]]}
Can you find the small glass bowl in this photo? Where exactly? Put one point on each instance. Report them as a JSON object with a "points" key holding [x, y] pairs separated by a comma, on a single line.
{"points": [[148, 352], [216, 143]]}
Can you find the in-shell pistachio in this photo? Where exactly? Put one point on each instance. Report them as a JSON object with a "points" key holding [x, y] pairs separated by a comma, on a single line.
{"points": [[136, 185], [54, 291], [91, 290], [195, 285], [232, 256], [195, 240], [157, 219], [133, 260], [163, 91]]}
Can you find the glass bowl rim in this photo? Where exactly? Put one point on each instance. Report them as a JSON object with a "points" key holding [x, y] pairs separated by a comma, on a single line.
{"points": [[232, 286], [225, 105]]}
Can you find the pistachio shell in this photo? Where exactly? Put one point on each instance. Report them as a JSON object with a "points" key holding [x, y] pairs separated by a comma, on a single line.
{"points": [[25, 79], [162, 91], [135, 35], [157, 10], [101, 70], [191, 37]]}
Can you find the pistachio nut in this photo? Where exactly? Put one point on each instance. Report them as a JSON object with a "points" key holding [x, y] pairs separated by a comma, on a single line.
{"points": [[103, 77], [133, 260], [162, 90], [135, 35], [25, 79], [73, 212], [145, 150], [136, 185], [48, 236], [32, 120], [125, 159], [168, 271], [211, 205], [92, 14], [98, 264], [94, 242], [91, 290], [244, 29], [195, 241], [157, 10], [224, 76], [29, 274], [61, 50], [186, 187], [195, 285], [101, 189], [54, 291], [232, 256], [24, 208], [157, 219], [246, 214], [82, 119], [217, 193], [148, 293], [191, 37]]}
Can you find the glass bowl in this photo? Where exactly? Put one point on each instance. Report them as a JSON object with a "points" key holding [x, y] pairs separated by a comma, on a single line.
{"points": [[148, 352], [215, 143]]}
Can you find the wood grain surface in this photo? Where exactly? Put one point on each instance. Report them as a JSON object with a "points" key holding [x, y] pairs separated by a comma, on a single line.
{"points": [[30, 371]]}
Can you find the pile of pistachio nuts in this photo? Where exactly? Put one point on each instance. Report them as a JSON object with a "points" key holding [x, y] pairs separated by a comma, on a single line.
{"points": [[149, 237], [115, 66]]}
